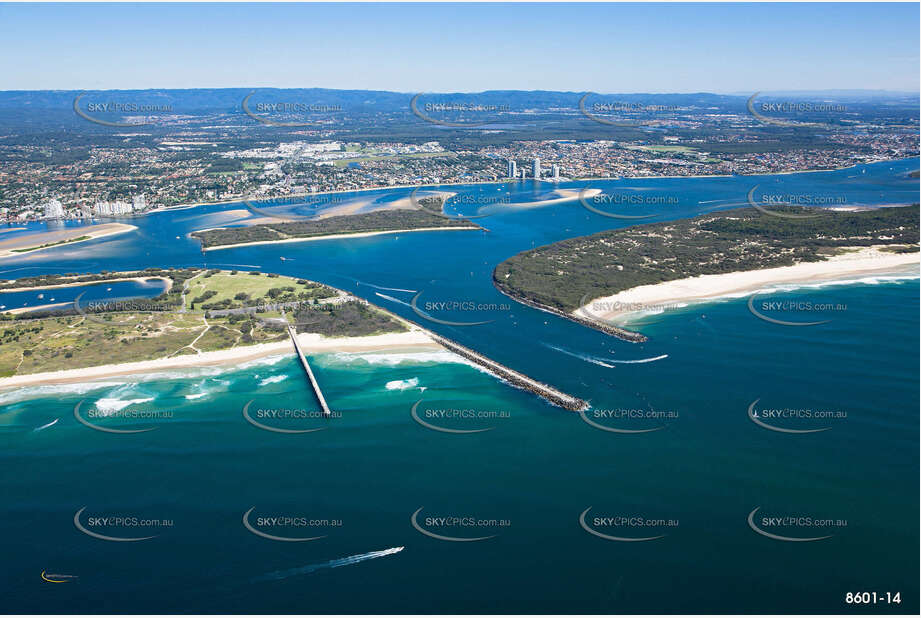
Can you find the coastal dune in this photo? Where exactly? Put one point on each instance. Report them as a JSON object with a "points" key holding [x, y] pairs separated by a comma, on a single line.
{"points": [[669, 294], [416, 340]]}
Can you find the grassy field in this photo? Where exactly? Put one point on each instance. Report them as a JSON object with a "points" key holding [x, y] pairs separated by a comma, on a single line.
{"points": [[55, 344], [256, 286]]}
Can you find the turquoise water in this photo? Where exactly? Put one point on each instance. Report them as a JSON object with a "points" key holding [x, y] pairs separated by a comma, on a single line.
{"points": [[703, 469]]}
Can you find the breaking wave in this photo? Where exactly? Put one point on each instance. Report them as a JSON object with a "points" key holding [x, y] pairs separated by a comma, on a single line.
{"points": [[273, 380], [402, 385]]}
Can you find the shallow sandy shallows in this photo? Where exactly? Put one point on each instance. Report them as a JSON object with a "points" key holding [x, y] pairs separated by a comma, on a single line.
{"points": [[863, 261], [26, 241], [414, 340], [566, 195]]}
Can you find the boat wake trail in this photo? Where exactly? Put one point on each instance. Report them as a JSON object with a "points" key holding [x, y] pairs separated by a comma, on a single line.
{"points": [[331, 564], [46, 425], [380, 287], [391, 298], [605, 362], [585, 357], [240, 265], [639, 360]]}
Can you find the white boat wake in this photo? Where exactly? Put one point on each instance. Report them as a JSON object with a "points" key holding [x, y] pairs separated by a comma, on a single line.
{"points": [[380, 287], [639, 360], [605, 362], [331, 564], [46, 425]]}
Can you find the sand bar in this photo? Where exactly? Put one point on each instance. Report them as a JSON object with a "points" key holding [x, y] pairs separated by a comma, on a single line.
{"points": [[34, 242], [566, 195], [670, 294]]}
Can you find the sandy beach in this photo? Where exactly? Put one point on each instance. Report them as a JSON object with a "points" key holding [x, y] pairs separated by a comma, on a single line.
{"points": [[30, 243], [166, 280], [566, 195], [413, 340], [670, 294], [337, 236]]}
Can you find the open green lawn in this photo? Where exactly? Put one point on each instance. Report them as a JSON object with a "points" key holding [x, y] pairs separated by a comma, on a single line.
{"points": [[257, 286]]}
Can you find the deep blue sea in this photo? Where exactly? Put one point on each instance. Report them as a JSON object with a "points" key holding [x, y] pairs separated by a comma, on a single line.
{"points": [[695, 476]]}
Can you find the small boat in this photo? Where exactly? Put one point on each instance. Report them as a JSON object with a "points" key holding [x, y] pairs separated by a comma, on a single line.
{"points": [[57, 579]]}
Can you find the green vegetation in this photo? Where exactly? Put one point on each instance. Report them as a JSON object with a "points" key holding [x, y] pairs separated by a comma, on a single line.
{"points": [[348, 319], [681, 149], [222, 310], [391, 157], [380, 221], [50, 244], [68, 342], [227, 291], [561, 275], [68, 278], [223, 166]]}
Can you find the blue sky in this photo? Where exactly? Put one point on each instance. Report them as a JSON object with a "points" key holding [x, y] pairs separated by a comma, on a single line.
{"points": [[452, 47]]}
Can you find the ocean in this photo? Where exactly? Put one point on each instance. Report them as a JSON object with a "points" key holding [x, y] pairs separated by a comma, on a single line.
{"points": [[669, 452]]}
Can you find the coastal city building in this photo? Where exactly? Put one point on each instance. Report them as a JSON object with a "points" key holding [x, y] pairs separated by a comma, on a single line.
{"points": [[117, 207], [54, 209], [555, 171], [229, 168]]}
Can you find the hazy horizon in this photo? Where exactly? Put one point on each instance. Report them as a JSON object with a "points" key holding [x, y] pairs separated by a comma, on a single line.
{"points": [[604, 48]]}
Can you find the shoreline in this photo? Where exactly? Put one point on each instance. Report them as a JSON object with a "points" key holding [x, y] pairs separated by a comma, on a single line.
{"points": [[339, 236], [851, 263], [508, 180], [311, 342], [87, 283], [103, 230], [610, 329], [240, 199]]}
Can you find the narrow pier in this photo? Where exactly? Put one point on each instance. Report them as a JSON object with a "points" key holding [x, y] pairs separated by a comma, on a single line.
{"points": [[313, 380]]}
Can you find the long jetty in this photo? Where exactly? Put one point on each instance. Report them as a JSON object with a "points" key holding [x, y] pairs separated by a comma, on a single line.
{"points": [[513, 377], [313, 380]]}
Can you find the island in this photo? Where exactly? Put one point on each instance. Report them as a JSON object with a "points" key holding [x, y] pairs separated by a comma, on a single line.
{"points": [[665, 264], [344, 226]]}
